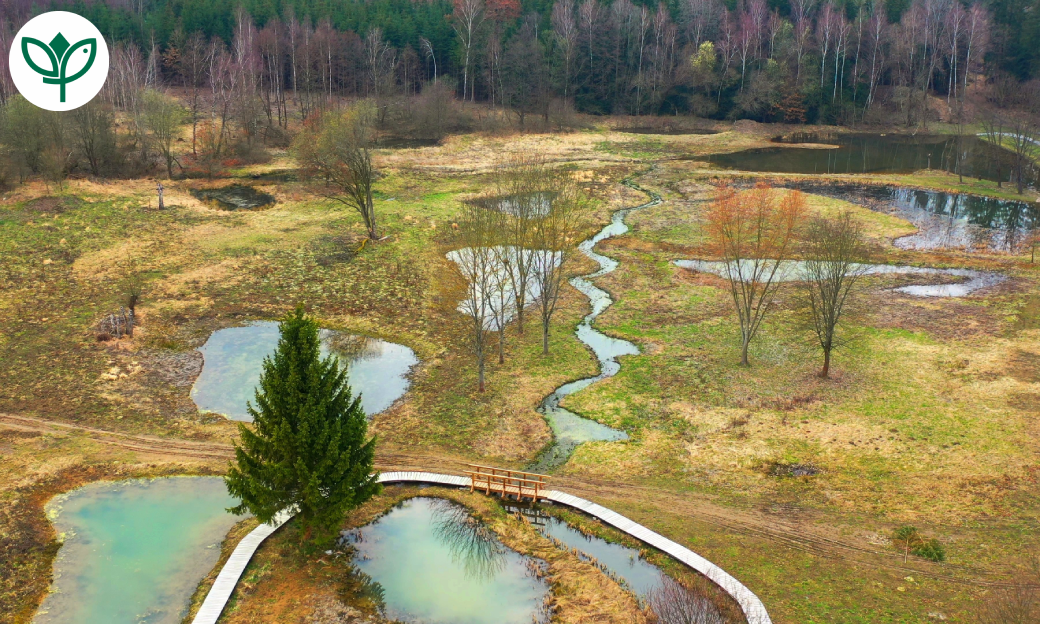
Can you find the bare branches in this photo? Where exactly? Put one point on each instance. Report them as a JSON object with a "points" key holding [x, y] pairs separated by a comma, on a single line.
{"points": [[555, 242], [334, 149], [754, 233], [834, 254], [674, 603], [477, 262]]}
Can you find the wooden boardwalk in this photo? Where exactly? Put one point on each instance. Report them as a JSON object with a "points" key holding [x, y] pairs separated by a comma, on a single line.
{"points": [[505, 482], [753, 609]]}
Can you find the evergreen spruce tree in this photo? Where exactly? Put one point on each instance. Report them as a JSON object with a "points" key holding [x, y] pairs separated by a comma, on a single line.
{"points": [[308, 449]]}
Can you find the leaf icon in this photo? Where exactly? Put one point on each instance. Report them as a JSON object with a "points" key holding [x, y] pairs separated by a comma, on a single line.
{"points": [[53, 71]]}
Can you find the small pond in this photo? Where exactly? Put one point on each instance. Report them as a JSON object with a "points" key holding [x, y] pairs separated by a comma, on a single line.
{"points": [[876, 153], [496, 270], [233, 361], [622, 562], [666, 130], [436, 564], [944, 220], [134, 551], [234, 197], [793, 271], [530, 204], [390, 142]]}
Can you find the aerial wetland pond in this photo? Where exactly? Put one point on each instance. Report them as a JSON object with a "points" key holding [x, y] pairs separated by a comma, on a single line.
{"points": [[133, 551], [233, 361]]}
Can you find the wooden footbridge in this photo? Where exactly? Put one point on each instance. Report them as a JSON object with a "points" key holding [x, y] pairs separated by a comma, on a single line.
{"points": [[507, 482]]}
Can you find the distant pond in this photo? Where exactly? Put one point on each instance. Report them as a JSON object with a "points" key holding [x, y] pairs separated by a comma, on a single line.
{"points": [[943, 220], [795, 270], [133, 552], [233, 361], [876, 153], [429, 561], [234, 197]]}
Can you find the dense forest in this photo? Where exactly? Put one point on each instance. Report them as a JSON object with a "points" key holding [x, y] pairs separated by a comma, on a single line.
{"points": [[769, 60]]}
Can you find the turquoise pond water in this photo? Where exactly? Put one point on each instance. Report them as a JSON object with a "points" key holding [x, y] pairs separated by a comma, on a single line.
{"points": [[621, 561], [134, 551], [436, 564], [233, 361]]}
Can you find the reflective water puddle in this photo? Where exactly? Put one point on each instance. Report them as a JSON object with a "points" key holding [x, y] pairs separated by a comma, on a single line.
{"points": [[134, 551], [943, 220], [233, 361], [434, 563], [794, 271], [876, 153], [623, 563]]}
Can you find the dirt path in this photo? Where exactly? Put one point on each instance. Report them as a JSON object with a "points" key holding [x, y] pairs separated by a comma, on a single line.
{"points": [[801, 534]]}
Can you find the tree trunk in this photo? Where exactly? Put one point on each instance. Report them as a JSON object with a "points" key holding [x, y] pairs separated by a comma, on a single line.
{"points": [[545, 339], [825, 373], [502, 344], [743, 352], [480, 374]]}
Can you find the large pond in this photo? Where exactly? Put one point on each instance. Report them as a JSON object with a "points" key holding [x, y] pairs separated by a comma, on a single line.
{"points": [[943, 220], [233, 361], [435, 564], [877, 153], [133, 552], [968, 280]]}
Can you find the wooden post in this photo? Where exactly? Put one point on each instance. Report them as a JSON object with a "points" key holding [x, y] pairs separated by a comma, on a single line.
{"points": [[159, 187]]}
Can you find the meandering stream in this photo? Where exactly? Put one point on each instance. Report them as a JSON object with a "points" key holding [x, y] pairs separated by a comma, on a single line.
{"points": [[569, 429]]}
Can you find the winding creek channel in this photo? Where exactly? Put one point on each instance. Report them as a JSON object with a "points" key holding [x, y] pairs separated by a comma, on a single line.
{"points": [[569, 429]]}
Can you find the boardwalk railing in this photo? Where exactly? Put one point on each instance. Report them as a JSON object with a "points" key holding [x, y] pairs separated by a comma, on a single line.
{"points": [[507, 482]]}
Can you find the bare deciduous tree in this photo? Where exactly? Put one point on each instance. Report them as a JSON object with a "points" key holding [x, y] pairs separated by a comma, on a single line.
{"points": [[131, 278], [477, 262], [1022, 139], [555, 243], [522, 190], [95, 135], [834, 253], [191, 65], [1018, 604], [674, 603], [753, 232], [334, 149]]}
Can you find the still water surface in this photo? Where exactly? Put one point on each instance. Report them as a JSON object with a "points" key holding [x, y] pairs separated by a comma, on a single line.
{"points": [[795, 270], [134, 551], [943, 220], [877, 153], [436, 564], [234, 360]]}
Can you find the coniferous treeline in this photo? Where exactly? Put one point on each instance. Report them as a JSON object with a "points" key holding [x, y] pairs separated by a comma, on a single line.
{"points": [[782, 60]]}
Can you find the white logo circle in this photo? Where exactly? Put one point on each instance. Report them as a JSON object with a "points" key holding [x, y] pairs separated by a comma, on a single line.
{"points": [[59, 61]]}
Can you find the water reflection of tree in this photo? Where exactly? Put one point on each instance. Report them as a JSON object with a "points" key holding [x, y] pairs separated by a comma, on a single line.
{"points": [[473, 545], [362, 591], [350, 348]]}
